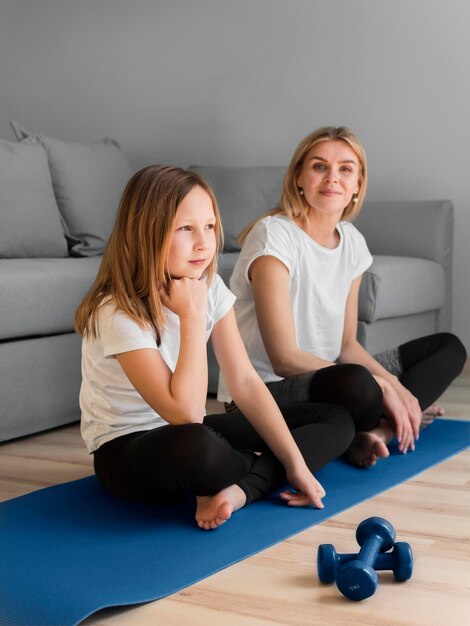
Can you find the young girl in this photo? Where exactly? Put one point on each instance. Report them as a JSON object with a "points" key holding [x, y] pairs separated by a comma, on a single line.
{"points": [[297, 285], [145, 323]]}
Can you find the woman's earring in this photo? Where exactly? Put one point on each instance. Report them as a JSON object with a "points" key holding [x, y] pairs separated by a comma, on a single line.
{"points": [[355, 198], [301, 191]]}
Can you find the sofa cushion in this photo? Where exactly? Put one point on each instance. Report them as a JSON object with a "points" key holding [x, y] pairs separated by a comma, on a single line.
{"points": [[88, 181], [225, 265], [396, 286], [42, 294], [30, 222], [391, 287], [242, 194]]}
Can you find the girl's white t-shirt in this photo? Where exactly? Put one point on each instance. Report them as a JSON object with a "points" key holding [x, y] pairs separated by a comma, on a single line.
{"points": [[319, 282], [110, 405]]}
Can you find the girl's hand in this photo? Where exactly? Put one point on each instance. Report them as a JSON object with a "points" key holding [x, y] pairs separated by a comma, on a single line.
{"points": [[309, 490], [186, 297], [397, 414]]}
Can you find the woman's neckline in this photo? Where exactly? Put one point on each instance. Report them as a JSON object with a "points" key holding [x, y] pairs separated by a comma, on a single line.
{"points": [[317, 244]]}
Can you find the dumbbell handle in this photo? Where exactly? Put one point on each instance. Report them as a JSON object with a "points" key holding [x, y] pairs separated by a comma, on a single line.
{"points": [[370, 549], [382, 562]]}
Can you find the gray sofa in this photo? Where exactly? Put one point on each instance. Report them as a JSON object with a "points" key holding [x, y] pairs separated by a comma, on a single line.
{"points": [[57, 206]]}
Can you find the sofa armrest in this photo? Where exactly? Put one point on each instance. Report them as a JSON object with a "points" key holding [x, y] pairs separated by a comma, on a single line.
{"points": [[421, 229]]}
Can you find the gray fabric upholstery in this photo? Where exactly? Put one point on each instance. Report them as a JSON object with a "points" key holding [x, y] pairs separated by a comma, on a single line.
{"points": [[30, 222], [394, 286], [88, 182], [389, 333], [415, 229], [39, 384], [42, 294], [226, 264], [242, 194]]}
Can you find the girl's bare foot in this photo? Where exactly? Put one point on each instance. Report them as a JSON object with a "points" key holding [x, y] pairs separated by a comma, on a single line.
{"points": [[435, 410], [370, 446], [212, 511]]}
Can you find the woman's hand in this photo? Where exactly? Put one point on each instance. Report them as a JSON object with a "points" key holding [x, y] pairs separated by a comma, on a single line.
{"points": [[397, 414], [411, 405], [186, 296], [309, 490]]}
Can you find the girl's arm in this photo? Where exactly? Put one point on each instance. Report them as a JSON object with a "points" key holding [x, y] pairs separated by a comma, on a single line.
{"points": [[402, 406], [178, 397], [270, 282], [254, 400]]}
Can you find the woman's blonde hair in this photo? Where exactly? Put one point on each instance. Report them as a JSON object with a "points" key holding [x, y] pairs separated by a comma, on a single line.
{"points": [[292, 203], [135, 262]]}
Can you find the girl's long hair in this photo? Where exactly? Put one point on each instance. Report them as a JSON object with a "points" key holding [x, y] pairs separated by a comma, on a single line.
{"points": [[135, 262], [294, 205]]}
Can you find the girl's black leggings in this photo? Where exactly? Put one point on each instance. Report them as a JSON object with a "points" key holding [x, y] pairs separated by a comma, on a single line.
{"points": [[428, 366], [323, 410], [162, 463]]}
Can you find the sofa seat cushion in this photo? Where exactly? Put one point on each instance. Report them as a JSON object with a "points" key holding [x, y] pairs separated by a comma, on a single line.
{"points": [[394, 286], [42, 294]]}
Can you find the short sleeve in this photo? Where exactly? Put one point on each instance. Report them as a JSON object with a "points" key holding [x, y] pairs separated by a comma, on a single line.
{"points": [[221, 299], [358, 255], [118, 333], [271, 236], [362, 257]]}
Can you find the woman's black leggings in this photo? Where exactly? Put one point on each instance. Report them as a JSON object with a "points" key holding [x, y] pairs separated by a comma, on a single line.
{"points": [[162, 463], [426, 367]]}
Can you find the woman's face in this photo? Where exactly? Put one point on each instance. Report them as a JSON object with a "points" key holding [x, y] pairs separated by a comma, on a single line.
{"points": [[193, 243], [329, 177]]}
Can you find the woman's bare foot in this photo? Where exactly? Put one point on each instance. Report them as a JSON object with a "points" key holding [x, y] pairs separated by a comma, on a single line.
{"points": [[212, 511], [370, 446], [435, 410]]}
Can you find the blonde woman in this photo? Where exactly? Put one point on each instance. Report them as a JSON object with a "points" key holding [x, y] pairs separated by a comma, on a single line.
{"points": [[145, 322], [297, 284]]}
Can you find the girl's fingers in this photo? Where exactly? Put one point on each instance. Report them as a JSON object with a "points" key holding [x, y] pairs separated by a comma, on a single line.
{"points": [[300, 499]]}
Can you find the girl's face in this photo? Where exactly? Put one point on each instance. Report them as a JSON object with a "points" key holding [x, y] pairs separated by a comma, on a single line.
{"points": [[193, 243], [329, 176]]}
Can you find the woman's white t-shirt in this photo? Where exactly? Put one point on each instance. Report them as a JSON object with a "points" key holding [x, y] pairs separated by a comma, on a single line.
{"points": [[319, 282], [110, 405]]}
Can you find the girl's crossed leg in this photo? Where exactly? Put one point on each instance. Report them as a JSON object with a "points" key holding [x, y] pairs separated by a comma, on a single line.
{"points": [[218, 461]]}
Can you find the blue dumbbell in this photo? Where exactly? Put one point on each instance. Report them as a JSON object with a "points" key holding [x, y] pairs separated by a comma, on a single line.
{"points": [[399, 561], [357, 579]]}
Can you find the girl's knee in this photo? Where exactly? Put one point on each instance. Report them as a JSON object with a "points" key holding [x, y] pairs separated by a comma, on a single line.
{"points": [[191, 442]]}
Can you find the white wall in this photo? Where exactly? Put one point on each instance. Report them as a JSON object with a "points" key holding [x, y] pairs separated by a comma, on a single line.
{"points": [[240, 82]]}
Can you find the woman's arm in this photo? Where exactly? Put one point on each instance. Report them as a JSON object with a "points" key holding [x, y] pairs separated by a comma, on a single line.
{"points": [[270, 280], [402, 406], [256, 403], [178, 397]]}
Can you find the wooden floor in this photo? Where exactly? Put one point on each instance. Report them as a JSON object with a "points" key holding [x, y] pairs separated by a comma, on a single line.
{"points": [[280, 585]]}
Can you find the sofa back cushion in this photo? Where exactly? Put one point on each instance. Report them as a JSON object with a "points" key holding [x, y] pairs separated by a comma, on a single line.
{"points": [[88, 181], [30, 222], [242, 193]]}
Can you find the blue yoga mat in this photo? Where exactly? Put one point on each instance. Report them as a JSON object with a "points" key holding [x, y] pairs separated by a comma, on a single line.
{"points": [[72, 549]]}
